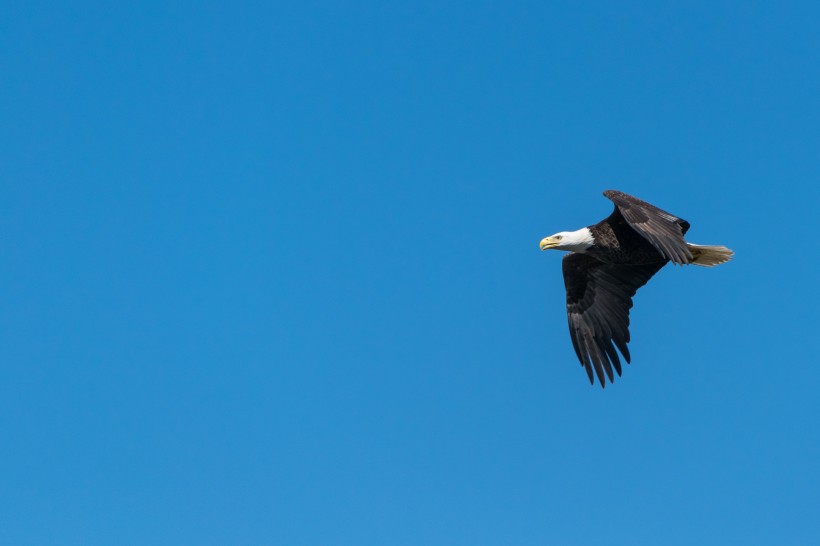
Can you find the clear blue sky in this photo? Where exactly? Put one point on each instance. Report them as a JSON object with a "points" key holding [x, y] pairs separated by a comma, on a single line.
{"points": [[270, 273]]}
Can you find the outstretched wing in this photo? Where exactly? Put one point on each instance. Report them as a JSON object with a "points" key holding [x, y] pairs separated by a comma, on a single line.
{"points": [[665, 231], [599, 296]]}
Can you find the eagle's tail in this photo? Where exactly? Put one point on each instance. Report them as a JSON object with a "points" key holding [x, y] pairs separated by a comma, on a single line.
{"points": [[709, 256]]}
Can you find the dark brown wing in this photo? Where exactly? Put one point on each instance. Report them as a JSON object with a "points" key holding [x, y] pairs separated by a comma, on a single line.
{"points": [[599, 296], [665, 231]]}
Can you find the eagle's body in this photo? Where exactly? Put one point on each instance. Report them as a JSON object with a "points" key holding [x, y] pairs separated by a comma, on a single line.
{"points": [[608, 262], [617, 243]]}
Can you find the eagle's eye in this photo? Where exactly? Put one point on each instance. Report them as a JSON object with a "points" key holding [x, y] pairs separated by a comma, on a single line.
{"points": [[557, 237]]}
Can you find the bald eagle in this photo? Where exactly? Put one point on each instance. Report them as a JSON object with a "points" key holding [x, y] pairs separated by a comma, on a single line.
{"points": [[607, 264]]}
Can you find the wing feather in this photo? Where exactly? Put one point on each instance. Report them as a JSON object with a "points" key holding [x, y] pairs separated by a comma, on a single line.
{"points": [[663, 230], [599, 296]]}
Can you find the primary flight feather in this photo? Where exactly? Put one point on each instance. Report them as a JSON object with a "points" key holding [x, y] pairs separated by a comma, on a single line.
{"points": [[607, 264]]}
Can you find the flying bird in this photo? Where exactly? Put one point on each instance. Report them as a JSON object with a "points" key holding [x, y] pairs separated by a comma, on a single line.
{"points": [[607, 264]]}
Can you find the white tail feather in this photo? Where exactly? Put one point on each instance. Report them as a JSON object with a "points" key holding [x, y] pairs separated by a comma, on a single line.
{"points": [[709, 256]]}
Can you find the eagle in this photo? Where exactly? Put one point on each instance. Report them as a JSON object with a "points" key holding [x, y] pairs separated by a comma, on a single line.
{"points": [[607, 263]]}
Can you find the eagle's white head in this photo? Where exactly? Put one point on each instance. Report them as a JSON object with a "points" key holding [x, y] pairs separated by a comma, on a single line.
{"points": [[574, 241]]}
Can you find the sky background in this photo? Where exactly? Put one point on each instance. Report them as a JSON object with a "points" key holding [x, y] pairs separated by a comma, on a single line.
{"points": [[270, 273]]}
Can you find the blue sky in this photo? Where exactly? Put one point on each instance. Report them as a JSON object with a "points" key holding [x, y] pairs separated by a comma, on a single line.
{"points": [[271, 273]]}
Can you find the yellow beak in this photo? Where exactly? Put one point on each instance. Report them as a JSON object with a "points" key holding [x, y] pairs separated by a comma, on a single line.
{"points": [[548, 242]]}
